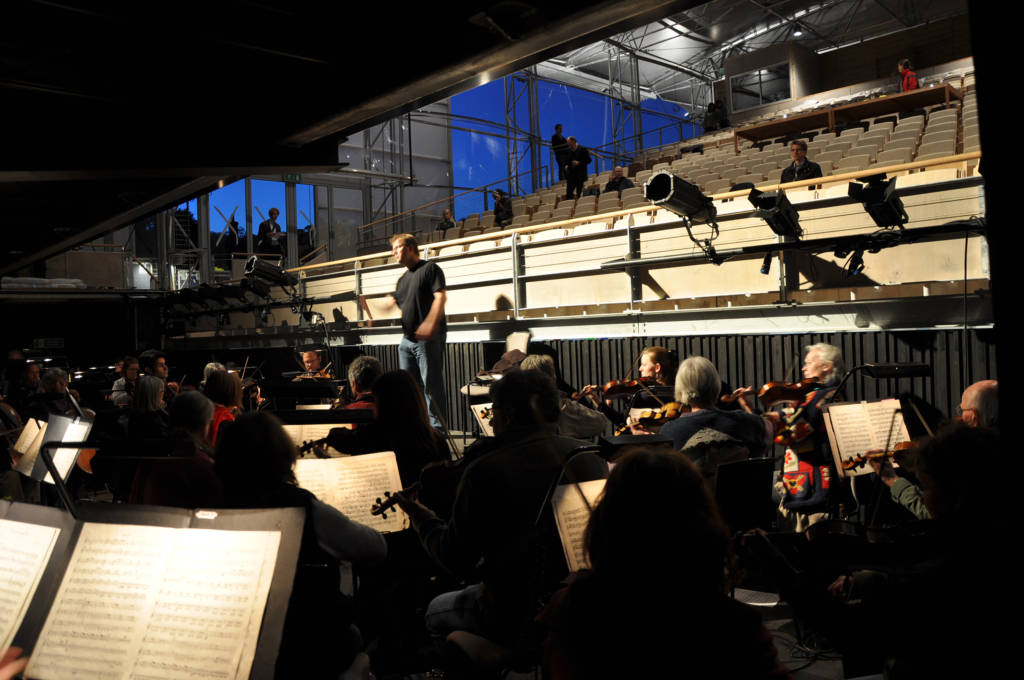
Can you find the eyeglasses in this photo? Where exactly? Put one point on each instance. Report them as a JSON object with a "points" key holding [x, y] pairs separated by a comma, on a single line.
{"points": [[960, 410]]}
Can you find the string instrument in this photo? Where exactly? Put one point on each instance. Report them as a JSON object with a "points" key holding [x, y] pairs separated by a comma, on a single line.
{"points": [[381, 507], [778, 393], [316, 446], [863, 459], [656, 417], [626, 388]]}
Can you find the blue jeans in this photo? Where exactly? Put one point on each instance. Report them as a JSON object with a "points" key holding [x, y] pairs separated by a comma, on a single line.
{"points": [[425, 361]]}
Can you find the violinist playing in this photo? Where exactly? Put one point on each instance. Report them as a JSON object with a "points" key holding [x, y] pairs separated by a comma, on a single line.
{"points": [[697, 386], [652, 389], [312, 361]]}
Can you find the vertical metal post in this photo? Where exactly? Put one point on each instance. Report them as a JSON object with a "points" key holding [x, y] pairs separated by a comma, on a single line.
{"points": [[332, 243], [205, 256], [357, 268], [250, 242], [535, 146], [636, 290], [638, 117], [291, 222], [163, 227], [518, 287]]}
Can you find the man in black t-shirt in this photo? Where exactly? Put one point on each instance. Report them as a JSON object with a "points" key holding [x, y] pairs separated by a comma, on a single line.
{"points": [[421, 296]]}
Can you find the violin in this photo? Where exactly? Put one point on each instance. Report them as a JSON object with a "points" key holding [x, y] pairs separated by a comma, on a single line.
{"points": [[656, 417], [381, 507], [877, 454], [783, 393], [626, 388], [317, 446]]}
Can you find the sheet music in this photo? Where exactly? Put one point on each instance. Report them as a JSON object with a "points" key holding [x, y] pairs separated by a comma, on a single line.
{"points": [[353, 485], [26, 550], [31, 448], [571, 517], [856, 428], [147, 602], [63, 459], [28, 435], [484, 415]]}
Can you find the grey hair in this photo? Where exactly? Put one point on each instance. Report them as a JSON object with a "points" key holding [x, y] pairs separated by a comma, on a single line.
{"points": [[148, 390], [51, 377], [827, 352], [986, 402], [211, 367], [539, 362], [697, 382], [364, 371], [192, 411]]}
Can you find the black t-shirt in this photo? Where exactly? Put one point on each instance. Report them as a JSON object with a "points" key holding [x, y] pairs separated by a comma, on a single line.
{"points": [[415, 295]]}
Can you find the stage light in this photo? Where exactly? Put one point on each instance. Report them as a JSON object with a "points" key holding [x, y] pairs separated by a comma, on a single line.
{"points": [[261, 269], [880, 200], [774, 208], [675, 194]]}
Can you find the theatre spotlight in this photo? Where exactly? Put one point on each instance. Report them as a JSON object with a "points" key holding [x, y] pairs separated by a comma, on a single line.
{"points": [[261, 269], [880, 200], [666, 190], [774, 208], [258, 288]]}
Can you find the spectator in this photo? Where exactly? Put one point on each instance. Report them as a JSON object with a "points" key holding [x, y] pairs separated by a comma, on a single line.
{"points": [[618, 182], [447, 222], [560, 147], [800, 168], [908, 79], [578, 158], [502, 208]]}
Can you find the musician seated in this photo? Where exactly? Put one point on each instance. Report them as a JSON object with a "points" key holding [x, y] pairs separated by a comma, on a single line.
{"points": [[401, 426], [660, 563], [52, 397], [657, 369], [312, 361], [495, 515], [224, 389], [699, 386], [255, 459], [124, 387], [188, 483], [574, 419], [363, 372]]}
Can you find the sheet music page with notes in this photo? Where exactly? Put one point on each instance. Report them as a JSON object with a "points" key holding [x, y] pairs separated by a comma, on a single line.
{"points": [[353, 484], [63, 459], [28, 445], [571, 517], [856, 428], [145, 601], [26, 549]]}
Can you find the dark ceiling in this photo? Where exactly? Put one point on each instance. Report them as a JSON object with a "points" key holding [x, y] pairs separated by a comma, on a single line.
{"points": [[114, 110]]}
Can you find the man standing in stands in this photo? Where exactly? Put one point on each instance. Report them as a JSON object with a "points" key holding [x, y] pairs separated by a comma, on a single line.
{"points": [[270, 237], [800, 168], [421, 295], [576, 168], [908, 79], [618, 182], [560, 147]]}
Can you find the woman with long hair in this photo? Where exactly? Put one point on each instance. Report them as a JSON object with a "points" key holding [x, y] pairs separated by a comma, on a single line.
{"points": [[401, 426]]}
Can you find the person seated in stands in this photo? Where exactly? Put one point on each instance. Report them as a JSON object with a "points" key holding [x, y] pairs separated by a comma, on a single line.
{"points": [[660, 570], [52, 397], [618, 182], [224, 389], [447, 222], [908, 79], [254, 461], [124, 387], [502, 515], [191, 483], [502, 208], [800, 168], [979, 407], [574, 419], [363, 372], [401, 426], [705, 429]]}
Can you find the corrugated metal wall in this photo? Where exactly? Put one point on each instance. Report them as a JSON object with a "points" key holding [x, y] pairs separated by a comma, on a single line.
{"points": [[957, 359]]}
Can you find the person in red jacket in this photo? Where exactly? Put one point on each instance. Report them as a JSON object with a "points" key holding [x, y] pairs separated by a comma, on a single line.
{"points": [[908, 80]]}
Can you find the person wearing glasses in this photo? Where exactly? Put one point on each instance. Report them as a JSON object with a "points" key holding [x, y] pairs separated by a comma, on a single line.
{"points": [[800, 168]]}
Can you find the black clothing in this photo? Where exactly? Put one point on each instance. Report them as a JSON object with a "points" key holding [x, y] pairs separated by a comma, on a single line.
{"points": [[412, 449], [265, 239], [618, 184], [495, 518], [808, 170], [40, 405], [415, 294], [503, 211], [444, 225], [561, 149], [576, 175]]}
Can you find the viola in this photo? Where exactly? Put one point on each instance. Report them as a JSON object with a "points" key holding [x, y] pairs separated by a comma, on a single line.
{"points": [[877, 454], [626, 388], [656, 417], [776, 393]]}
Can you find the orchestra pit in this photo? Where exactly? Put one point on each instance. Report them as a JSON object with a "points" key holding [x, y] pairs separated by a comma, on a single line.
{"points": [[647, 339]]}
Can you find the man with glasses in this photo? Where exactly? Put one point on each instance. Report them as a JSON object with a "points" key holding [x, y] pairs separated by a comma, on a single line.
{"points": [[800, 168]]}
